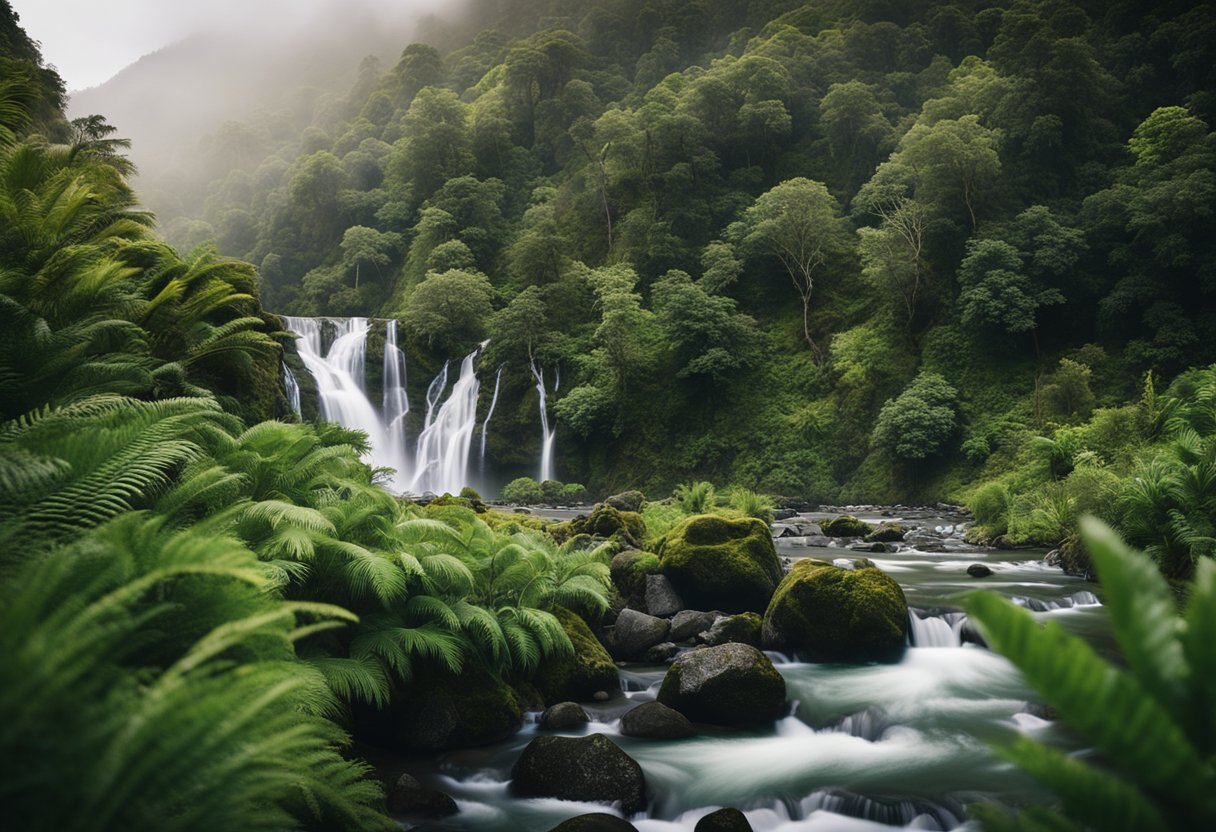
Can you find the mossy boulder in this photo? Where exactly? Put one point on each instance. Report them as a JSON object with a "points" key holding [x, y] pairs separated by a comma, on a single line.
{"points": [[563, 716], [716, 562], [887, 533], [626, 527], [627, 501], [580, 676], [629, 570], [847, 526], [733, 685], [656, 721], [829, 613], [579, 768], [741, 629], [442, 711]]}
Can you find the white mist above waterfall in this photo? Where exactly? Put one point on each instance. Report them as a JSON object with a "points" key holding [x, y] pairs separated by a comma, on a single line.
{"points": [[547, 434]]}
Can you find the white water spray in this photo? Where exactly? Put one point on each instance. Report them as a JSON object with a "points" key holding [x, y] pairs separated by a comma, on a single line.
{"points": [[396, 405], [442, 458], [293, 390], [485, 426], [547, 435], [338, 373]]}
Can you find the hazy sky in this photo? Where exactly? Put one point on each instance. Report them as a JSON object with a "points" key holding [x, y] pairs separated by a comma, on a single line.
{"points": [[88, 41]]}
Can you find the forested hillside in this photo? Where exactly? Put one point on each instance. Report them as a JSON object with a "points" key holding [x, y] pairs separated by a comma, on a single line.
{"points": [[739, 229]]}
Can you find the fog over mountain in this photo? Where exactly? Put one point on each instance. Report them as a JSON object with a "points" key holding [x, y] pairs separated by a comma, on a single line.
{"points": [[271, 58]]}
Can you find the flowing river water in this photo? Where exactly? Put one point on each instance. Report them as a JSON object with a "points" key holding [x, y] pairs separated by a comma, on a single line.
{"points": [[865, 748]]}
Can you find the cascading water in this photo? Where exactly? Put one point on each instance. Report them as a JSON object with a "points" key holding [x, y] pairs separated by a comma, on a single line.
{"points": [[547, 435], [485, 426], [442, 458], [396, 405], [341, 393], [293, 390]]}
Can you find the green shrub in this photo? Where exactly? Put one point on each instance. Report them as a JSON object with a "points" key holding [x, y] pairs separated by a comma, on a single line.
{"points": [[575, 493], [522, 491], [551, 492], [750, 504], [695, 497], [990, 506]]}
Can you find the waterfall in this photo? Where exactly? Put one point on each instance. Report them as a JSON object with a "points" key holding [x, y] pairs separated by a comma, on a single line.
{"points": [[340, 382], [486, 424], [396, 405], [442, 458], [547, 435], [293, 389]]}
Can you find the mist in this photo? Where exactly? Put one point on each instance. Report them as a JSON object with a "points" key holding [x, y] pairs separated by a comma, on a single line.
{"points": [[223, 62]]}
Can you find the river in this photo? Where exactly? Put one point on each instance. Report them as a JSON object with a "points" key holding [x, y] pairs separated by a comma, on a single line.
{"points": [[865, 747]]}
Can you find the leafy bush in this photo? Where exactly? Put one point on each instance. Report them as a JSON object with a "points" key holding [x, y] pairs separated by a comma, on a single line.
{"points": [[552, 492], [990, 506], [695, 497], [750, 504], [574, 493], [1153, 721], [916, 424], [522, 491]]}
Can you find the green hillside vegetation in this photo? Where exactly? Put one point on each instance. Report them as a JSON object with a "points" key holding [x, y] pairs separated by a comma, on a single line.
{"points": [[741, 230]]}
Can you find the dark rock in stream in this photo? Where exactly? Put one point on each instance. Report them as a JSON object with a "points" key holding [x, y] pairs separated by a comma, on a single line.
{"points": [[731, 685], [579, 677], [724, 820], [742, 629], [656, 721], [580, 768], [661, 599], [784, 513], [661, 653], [887, 533], [595, 822], [688, 623], [847, 526], [563, 716], [635, 633], [978, 570], [409, 797]]}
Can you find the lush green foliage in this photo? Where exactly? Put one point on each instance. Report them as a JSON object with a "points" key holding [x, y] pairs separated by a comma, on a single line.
{"points": [[1151, 721]]}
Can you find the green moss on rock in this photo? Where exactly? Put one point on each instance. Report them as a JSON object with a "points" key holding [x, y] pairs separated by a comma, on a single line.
{"points": [[580, 676], [716, 562], [887, 533], [439, 711], [733, 685], [629, 571], [847, 526], [828, 613]]}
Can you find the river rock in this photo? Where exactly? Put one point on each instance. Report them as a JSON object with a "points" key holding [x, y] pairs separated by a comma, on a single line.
{"points": [[442, 711], [887, 533], [742, 629], [409, 797], [784, 513], [627, 501], [731, 685], [780, 530], [833, 614], [847, 526], [715, 562], [563, 716], [580, 676], [810, 530], [723, 820], [579, 768], [626, 527], [661, 599], [979, 570], [661, 653], [629, 570], [688, 623], [656, 721], [636, 632], [595, 822]]}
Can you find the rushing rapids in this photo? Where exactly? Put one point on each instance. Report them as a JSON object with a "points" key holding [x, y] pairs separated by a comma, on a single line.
{"points": [[866, 747]]}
